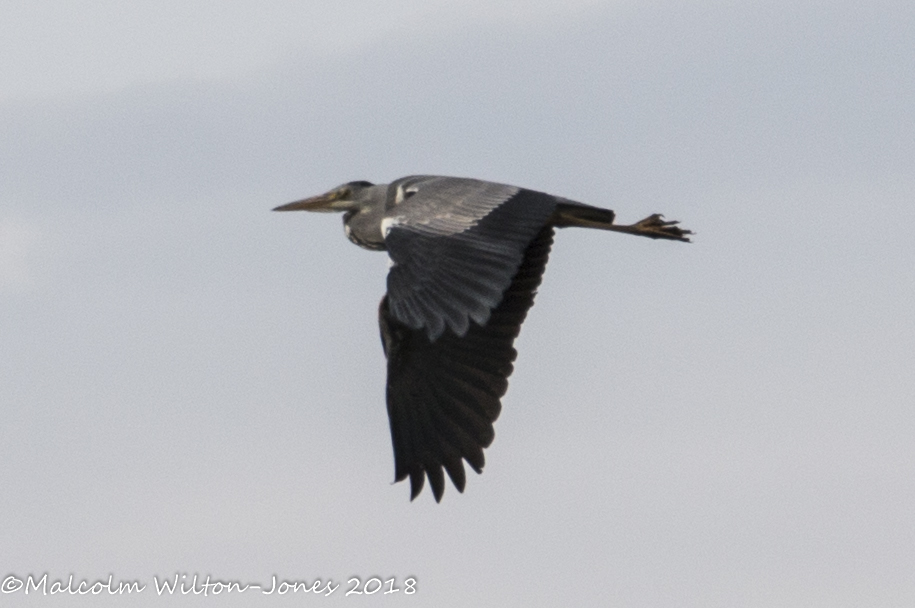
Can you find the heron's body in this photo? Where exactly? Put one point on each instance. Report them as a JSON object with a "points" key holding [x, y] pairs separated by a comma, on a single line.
{"points": [[467, 257]]}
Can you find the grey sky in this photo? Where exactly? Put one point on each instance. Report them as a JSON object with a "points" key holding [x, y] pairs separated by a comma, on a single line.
{"points": [[191, 383]]}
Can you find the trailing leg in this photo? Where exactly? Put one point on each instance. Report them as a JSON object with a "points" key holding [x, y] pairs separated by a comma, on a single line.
{"points": [[654, 226]]}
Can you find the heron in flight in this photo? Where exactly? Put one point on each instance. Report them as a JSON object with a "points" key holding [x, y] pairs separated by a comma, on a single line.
{"points": [[466, 258]]}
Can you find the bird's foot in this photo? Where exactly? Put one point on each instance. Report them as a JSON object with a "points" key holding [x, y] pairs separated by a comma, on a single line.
{"points": [[654, 226]]}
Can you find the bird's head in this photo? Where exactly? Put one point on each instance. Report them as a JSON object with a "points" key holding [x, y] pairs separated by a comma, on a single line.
{"points": [[347, 197]]}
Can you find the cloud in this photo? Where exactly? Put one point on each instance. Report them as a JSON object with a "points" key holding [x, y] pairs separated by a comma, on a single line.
{"points": [[17, 243], [43, 55]]}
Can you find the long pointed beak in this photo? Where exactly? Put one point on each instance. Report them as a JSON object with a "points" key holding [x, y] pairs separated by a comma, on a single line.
{"points": [[322, 202]]}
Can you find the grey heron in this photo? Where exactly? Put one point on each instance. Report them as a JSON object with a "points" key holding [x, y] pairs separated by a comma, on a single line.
{"points": [[466, 258]]}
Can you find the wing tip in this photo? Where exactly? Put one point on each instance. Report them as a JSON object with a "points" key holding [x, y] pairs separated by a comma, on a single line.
{"points": [[417, 481], [455, 470]]}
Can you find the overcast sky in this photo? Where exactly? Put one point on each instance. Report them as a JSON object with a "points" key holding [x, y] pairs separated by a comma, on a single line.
{"points": [[192, 384]]}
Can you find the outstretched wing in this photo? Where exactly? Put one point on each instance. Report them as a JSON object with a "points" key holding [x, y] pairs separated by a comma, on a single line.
{"points": [[455, 245], [444, 394]]}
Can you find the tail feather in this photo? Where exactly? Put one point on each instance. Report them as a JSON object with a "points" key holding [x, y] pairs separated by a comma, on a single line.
{"points": [[582, 216]]}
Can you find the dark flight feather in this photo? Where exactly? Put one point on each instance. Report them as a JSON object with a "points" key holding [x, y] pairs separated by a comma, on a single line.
{"points": [[444, 393]]}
